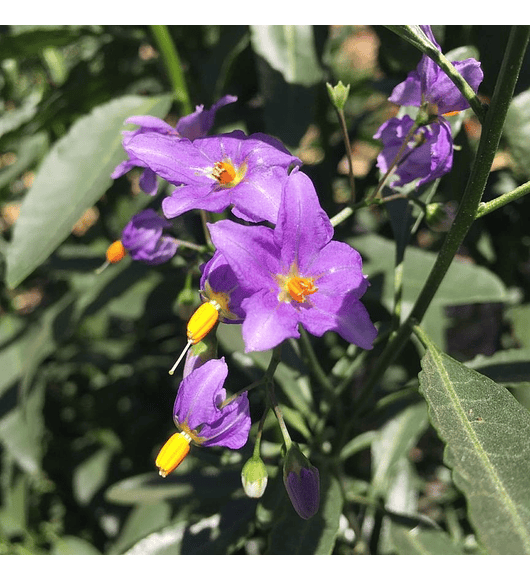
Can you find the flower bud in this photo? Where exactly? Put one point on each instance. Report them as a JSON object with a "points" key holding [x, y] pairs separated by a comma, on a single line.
{"points": [[302, 483], [338, 94], [254, 477], [440, 216]]}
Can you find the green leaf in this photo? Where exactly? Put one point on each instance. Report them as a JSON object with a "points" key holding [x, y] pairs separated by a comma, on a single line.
{"points": [[289, 49], [486, 433], [421, 541], [91, 475], [294, 536], [73, 176], [414, 34], [393, 442], [517, 132], [27, 41], [143, 520]]}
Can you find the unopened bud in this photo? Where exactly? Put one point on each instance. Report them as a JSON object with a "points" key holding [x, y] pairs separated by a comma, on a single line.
{"points": [[440, 216], [338, 94], [254, 477], [302, 482]]}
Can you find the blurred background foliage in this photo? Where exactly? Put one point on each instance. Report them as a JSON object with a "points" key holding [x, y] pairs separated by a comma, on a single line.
{"points": [[85, 395]]}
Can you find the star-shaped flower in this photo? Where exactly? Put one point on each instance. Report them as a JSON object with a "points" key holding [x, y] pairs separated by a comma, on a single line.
{"points": [[215, 172], [296, 273]]}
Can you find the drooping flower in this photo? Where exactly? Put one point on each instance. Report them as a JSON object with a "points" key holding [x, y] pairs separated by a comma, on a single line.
{"points": [[302, 482], [200, 417], [215, 172], [427, 156], [142, 238], [430, 84], [296, 273], [197, 124]]}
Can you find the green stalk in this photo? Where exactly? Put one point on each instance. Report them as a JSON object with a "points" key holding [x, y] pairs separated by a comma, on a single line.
{"points": [[467, 212], [173, 66], [489, 206]]}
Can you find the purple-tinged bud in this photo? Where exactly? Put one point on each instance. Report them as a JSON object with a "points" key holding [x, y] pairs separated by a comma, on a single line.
{"points": [[254, 477], [302, 483]]}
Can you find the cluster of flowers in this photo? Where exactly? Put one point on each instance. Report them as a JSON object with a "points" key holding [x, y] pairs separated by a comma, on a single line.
{"points": [[421, 149], [274, 267]]}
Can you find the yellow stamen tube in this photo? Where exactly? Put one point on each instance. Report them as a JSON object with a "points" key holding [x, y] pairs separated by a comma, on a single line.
{"points": [[199, 325], [172, 453]]}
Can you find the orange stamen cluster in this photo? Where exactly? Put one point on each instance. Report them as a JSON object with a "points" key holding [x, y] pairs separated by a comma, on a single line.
{"points": [[224, 172], [299, 288]]}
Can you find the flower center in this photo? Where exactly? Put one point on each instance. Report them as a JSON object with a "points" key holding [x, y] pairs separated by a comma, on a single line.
{"points": [[226, 174], [295, 287], [299, 288]]}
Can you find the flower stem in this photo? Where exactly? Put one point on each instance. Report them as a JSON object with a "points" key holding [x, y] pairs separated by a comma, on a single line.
{"points": [[489, 141], [489, 206], [347, 145], [173, 65]]}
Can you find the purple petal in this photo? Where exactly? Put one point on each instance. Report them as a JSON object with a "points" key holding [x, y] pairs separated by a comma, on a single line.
{"points": [[232, 426], [444, 92], [188, 197], [268, 322], [408, 92], [175, 160], [250, 251], [258, 196], [347, 317], [149, 123], [303, 227], [148, 183], [200, 393], [338, 270], [199, 123]]}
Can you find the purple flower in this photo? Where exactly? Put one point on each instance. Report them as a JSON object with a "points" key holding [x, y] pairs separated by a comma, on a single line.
{"points": [[429, 84], [219, 283], [213, 173], [302, 482], [192, 126], [296, 273], [142, 238], [428, 155], [197, 411]]}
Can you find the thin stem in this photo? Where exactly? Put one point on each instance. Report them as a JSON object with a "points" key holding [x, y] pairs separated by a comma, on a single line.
{"points": [[312, 361], [465, 217], [347, 145], [395, 162], [498, 202], [173, 66]]}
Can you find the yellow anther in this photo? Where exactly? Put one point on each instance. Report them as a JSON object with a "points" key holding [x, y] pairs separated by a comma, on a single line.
{"points": [[202, 321], [116, 252], [199, 325], [172, 453]]}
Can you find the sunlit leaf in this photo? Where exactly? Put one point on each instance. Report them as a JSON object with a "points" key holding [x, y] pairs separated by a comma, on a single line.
{"points": [[73, 176], [486, 433]]}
